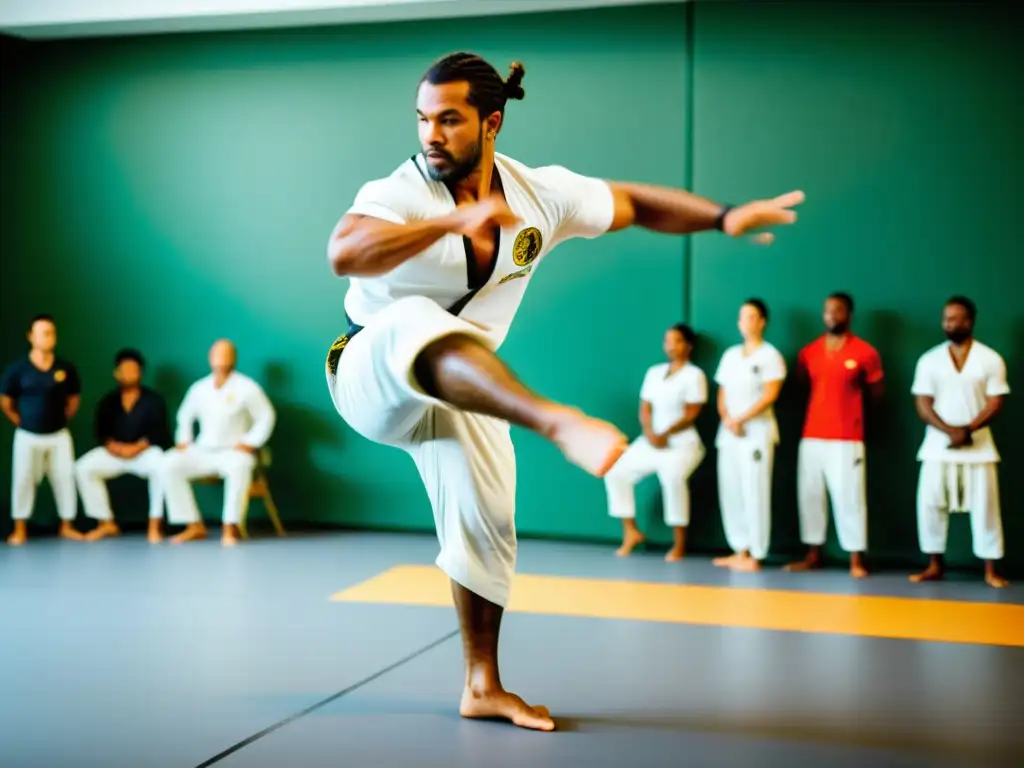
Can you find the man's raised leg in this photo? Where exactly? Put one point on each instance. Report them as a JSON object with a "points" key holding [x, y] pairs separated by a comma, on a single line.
{"points": [[462, 372]]}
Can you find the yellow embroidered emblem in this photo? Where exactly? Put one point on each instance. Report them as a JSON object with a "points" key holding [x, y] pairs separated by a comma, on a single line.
{"points": [[527, 246]]}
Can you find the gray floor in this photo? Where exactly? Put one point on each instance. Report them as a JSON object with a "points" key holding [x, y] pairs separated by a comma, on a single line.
{"points": [[121, 654]]}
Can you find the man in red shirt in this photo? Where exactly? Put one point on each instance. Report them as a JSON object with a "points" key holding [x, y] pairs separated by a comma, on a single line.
{"points": [[839, 367]]}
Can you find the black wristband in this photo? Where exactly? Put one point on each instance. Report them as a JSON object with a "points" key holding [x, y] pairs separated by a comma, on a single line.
{"points": [[720, 219]]}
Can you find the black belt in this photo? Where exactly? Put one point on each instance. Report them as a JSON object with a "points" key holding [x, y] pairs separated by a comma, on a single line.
{"points": [[334, 354]]}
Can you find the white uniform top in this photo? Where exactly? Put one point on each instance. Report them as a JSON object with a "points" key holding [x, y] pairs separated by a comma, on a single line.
{"points": [[959, 396], [552, 203], [238, 412], [669, 395], [743, 378]]}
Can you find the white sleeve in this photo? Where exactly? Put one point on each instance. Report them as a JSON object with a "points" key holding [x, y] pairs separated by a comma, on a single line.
{"points": [[924, 382], [996, 384], [722, 371], [697, 389], [264, 417], [188, 412], [775, 366], [388, 199], [584, 206], [645, 388]]}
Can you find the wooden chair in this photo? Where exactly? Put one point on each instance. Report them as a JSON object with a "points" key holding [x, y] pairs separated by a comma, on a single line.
{"points": [[258, 489]]}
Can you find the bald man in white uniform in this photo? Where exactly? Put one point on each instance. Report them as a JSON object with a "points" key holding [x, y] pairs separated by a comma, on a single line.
{"points": [[959, 387], [235, 420], [671, 398], [439, 254]]}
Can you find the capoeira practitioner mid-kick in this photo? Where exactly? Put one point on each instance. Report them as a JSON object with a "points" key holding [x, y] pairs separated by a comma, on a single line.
{"points": [[439, 254]]}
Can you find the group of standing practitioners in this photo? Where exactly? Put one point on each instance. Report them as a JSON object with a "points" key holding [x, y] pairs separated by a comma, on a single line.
{"points": [[40, 393], [958, 386]]}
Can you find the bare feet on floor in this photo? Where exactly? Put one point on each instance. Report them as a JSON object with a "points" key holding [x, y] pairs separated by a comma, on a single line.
{"points": [[995, 580], [992, 578], [192, 532], [932, 573], [229, 535], [857, 568], [745, 564], [674, 555], [155, 533], [630, 539], [589, 443], [742, 561], [102, 530], [498, 703], [67, 531], [807, 564], [19, 535]]}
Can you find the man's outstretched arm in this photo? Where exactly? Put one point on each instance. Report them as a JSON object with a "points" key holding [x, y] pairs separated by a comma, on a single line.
{"points": [[678, 212]]}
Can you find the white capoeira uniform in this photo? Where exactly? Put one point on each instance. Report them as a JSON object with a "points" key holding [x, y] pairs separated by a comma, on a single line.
{"points": [[668, 396], [466, 460], [98, 465], [959, 479], [745, 463], [43, 455], [236, 413]]}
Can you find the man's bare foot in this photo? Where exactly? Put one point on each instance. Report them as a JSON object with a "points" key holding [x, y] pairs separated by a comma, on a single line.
{"points": [[630, 539], [229, 535], [155, 534], [589, 443], [68, 531], [674, 555], [508, 706], [932, 573], [857, 568], [19, 535], [745, 565], [192, 532], [807, 564], [725, 562], [102, 530], [995, 580]]}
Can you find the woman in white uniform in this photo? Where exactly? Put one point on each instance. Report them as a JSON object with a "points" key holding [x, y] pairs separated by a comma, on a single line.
{"points": [[671, 398], [749, 378]]}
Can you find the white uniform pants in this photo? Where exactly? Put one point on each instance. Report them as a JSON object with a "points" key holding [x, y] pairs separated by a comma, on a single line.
{"points": [[745, 492], [36, 456], [466, 460], [943, 488], [99, 465], [180, 468], [673, 467], [833, 470]]}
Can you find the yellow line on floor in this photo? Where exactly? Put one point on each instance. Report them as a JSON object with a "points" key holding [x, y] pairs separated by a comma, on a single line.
{"points": [[868, 616]]}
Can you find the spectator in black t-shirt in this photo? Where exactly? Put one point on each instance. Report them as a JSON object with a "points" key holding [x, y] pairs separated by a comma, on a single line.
{"points": [[40, 393], [132, 434]]}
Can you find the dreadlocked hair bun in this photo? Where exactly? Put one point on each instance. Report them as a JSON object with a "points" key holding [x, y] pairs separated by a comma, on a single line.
{"points": [[513, 89]]}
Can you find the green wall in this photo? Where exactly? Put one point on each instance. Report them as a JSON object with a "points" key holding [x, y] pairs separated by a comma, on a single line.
{"points": [[166, 191], [172, 190], [903, 126]]}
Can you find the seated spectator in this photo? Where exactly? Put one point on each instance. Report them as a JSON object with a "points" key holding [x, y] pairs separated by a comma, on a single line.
{"points": [[132, 435], [235, 420]]}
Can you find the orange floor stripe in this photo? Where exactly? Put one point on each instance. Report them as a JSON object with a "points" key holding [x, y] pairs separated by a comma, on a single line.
{"points": [[868, 616]]}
